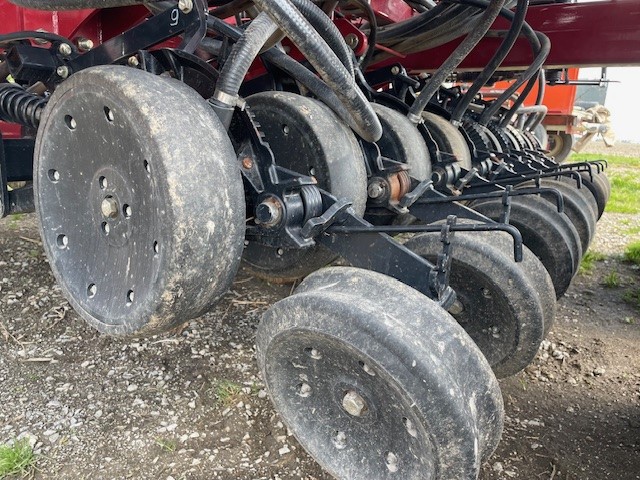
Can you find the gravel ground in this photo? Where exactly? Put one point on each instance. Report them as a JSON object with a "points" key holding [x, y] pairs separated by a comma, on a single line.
{"points": [[191, 404]]}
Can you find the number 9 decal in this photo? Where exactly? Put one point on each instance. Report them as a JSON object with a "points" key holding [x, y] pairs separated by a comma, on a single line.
{"points": [[175, 16]]}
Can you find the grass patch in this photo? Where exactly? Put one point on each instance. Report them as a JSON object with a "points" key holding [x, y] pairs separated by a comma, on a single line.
{"points": [[612, 280], [227, 392], [632, 297], [625, 183], [588, 262], [632, 253], [167, 444], [16, 458]]}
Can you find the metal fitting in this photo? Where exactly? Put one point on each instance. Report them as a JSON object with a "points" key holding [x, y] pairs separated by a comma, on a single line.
{"points": [[269, 212], [84, 44], [376, 189], [352, 40], [65, 49], [62, 71], [185, 6], [133, 61]]}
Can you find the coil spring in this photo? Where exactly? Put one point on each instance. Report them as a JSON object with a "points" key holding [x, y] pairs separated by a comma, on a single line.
{"points": [[19, 106]]}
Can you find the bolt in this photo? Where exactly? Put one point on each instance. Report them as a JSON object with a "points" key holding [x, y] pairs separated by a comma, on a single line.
{"points": [[354, 404], [185, 6], [395, 70], [65, 49], [109, 207], [85, 44], [457, 308], [352, 40], [247, 163], [269, 212], [133, 61], [304, 390], [63, 72], [375, 190]]}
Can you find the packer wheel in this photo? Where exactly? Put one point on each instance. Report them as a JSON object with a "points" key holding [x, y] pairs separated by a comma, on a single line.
{"points": [[497, 302], [308, 138], [142, 222], [548, 234], [377, 381]]}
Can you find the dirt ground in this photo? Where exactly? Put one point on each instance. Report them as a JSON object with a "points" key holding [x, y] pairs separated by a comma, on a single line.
{"points": [[191, 405]]}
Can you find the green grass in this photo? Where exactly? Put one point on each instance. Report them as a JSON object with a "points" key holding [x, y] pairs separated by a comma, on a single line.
{"points": [[612, 280], [167, 444], [589, 260], [227, 392], [632, 253], [625, 181], [16, 458], [632, 297]]}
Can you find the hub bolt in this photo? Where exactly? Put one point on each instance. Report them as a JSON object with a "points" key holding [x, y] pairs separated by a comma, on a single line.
{"points": [[375, 190], [269, 212], [109, 207], [354, 404]]}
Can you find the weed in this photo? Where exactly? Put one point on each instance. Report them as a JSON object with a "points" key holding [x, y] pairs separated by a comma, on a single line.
{"points": [[632, 253], [612, 280], [16, 458], [632, 297], [588, 262], [167, 444], [227, 392]]}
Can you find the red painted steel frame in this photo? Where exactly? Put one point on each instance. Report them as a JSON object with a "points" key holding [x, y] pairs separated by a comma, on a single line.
{"points": [[605, 33]]}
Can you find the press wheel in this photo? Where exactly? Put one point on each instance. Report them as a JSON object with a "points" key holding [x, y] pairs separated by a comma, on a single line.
{"points": [[377, 381], [139, 198], [548, 234], [497, 303], [575, 207], [448, 138], [308, 138]]}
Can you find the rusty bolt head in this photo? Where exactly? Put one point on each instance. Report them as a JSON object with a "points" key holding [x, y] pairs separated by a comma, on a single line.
{"points": [[269, 212], [247, 163]]}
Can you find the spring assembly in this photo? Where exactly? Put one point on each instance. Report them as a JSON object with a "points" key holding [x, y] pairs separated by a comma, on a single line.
{"points": [[20, 106]]}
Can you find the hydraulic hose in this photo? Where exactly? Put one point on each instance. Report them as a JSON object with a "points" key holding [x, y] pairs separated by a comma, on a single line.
{"points": [[326, 63], [468, 44], [287, 64], [498, 57], [544, 47], [242, 55]]}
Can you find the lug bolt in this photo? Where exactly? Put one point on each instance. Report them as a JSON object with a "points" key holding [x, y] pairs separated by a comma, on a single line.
{"points": [[85, 44], [354, 404], [65, 49], [63, 71], [185, 6], [109, 207]]}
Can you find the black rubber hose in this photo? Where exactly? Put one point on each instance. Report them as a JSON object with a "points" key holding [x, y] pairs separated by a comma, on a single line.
{"points": [[326, 63], [287, 64], [542, 86], [242, 55], [542, 54], [449, 65], [498, 57]]}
